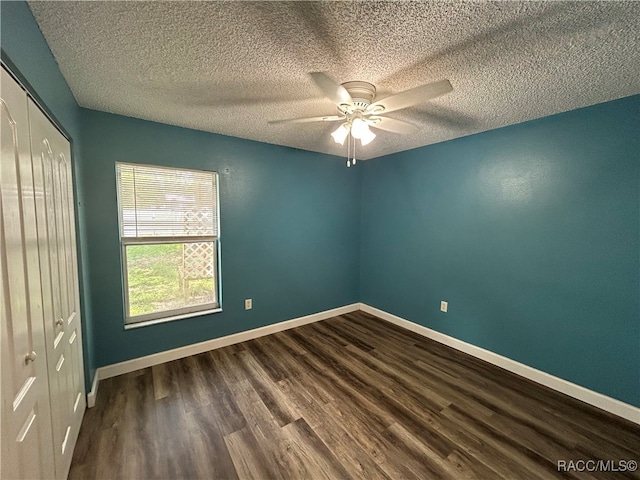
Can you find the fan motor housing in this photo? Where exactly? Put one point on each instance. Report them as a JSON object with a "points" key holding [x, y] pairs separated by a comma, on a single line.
{"points": [[362, 93]]}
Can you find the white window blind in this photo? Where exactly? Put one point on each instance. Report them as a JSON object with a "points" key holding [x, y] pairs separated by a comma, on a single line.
{"points": [[166, 202]]}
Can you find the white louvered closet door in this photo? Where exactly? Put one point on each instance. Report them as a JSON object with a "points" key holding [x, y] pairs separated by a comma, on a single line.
{"points": [[52, 178], [27, 450]]}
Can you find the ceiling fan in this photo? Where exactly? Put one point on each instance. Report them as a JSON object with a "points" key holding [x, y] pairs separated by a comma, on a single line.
{"points": [[358, 111]]}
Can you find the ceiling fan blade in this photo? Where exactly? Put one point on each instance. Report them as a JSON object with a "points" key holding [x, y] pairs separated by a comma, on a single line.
{"points": [[331, 89], [411, 97], [394, 125], [326, 118]]}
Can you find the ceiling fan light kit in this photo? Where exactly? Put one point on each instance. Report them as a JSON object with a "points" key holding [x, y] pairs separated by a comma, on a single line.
{"points": [[358, 111], [367, 136], [341, 133]]}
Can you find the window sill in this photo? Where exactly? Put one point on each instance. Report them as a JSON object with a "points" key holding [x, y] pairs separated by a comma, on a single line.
{"points": [[146, 323]]}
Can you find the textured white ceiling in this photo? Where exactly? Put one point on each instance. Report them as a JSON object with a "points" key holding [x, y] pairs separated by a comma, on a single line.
{"points": [[229, 67]]}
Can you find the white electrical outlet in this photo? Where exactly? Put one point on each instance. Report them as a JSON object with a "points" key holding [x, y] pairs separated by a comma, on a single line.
{"points": [[248, 304], [444, 306]]}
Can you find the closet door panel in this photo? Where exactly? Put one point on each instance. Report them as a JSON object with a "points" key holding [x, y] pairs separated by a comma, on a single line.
{"points": [[73, 318], [56, 240], [42, 154], [71, 308], [26, 419]]}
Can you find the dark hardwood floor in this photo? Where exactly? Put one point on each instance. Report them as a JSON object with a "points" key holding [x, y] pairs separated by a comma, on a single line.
{"points": [[349, 397]]}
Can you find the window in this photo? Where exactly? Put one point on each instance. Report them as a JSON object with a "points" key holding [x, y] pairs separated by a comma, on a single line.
{"points": [[169, 231]]}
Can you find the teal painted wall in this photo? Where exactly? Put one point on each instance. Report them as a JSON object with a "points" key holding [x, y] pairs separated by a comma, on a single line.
{"points": [[289, 230], [530, 232], [23, 44]]}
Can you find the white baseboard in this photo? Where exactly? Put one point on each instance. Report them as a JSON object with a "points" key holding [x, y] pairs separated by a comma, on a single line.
{"points": [[576, 391], [596, 399], [91, 396], [116, 369]]}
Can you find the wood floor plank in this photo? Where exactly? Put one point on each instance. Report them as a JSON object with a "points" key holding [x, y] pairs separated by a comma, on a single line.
{"points": [[260, 422], [490, 398], [282, 409], [363, 419], [389, 456], [349, 397], [297, 367], [87, 439], [248, 457], [525, 461], [334, 433], [108, 460], [164, 383], [222, 408], [331, 375], [207, 441], [525, 409], [432, 465], [173, 440], [471, 467], [398, 380], [518, 388], [348, 452], [413, 413], [142, 457], [261, 351], [192, 384], [114, 392], [313, 459]]}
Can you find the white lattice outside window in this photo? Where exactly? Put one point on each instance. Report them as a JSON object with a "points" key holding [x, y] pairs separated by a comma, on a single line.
{"points": [[169, 230]]}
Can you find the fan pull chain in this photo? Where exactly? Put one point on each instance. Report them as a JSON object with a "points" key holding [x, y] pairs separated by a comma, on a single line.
{"points": [[351, 150], [354, 152]]}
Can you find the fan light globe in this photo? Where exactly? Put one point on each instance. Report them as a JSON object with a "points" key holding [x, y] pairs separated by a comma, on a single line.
{"points": [[367, 137], [340, 134], [359, 128]]}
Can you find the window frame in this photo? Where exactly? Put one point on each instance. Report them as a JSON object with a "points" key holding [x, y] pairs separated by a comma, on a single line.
{"points": [[176, 313]]}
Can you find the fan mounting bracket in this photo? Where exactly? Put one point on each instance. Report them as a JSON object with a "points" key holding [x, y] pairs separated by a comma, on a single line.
{"points": [[361, 92]]}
